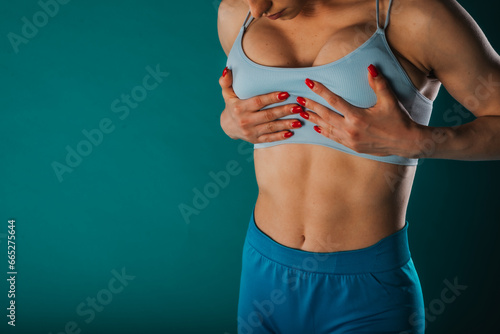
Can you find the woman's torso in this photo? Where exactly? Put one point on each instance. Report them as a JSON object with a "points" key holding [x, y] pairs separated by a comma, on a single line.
{"points": [[312, 197]]}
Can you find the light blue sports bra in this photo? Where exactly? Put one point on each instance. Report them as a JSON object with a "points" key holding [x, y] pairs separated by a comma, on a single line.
{"points": [[346, 77]]}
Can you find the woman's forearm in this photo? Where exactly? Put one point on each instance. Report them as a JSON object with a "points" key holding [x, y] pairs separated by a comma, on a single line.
{"points": [[473, 141]]}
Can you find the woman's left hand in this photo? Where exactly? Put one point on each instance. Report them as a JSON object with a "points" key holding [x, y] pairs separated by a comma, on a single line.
{"points": [[384, 129]]}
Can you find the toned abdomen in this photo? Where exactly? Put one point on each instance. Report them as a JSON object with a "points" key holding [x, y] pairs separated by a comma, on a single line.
{"points": [[319, 199]]}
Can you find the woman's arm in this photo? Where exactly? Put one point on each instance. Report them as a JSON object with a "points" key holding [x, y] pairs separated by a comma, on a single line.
{"points": [[440, 38], [244, 119], [461, 57]]}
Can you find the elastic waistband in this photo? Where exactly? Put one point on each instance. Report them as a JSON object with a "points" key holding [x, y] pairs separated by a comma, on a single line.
{"points": [[388, 253]]}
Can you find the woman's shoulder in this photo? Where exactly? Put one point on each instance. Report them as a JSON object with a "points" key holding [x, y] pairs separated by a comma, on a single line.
{"points": [[230, 18]]}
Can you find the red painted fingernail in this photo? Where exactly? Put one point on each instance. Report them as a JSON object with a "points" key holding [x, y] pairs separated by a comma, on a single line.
{"points": [[301, 101], [296, 124], [304, 115], [283, 95], [310, 83], [288, 134], [373, 70], [224, 72], [318, 130], [297, 109]]}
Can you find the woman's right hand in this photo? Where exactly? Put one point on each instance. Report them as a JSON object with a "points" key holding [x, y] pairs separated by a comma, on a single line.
{"points": [[243, 119]]}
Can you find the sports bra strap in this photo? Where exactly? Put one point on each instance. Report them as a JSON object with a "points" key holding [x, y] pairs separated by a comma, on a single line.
{"points": [[386, 17], [247, 21], [388, 14]]}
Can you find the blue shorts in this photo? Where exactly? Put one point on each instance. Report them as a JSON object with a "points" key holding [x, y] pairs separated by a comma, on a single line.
{"points": [[290, 291]]}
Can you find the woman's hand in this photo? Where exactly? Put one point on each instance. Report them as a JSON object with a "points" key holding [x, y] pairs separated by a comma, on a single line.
{"points": [[384, 129], [243, 119]]}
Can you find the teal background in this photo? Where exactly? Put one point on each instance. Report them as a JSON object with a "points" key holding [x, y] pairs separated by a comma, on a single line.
{"points": [[119, 207]]}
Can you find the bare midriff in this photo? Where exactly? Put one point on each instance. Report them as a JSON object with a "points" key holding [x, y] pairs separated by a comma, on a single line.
{"points": [[319, 199]]}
